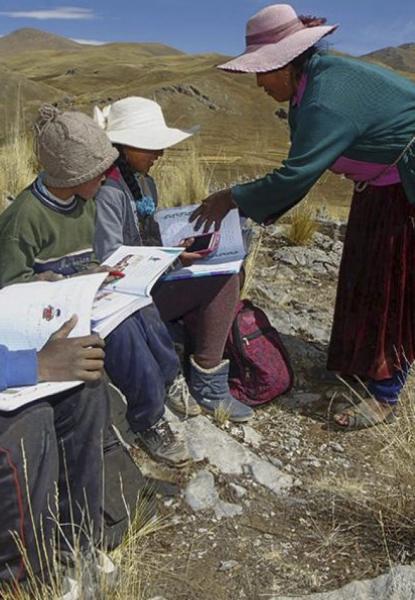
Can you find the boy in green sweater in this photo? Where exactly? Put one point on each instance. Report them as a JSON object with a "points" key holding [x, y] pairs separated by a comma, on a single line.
{"points": [[47, 232]]}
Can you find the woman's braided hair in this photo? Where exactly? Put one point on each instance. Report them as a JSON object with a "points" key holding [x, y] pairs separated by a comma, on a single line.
{"points": [[127, 173]]}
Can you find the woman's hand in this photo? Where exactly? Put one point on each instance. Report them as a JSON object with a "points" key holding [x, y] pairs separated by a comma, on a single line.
{"points": [[213, 210]]}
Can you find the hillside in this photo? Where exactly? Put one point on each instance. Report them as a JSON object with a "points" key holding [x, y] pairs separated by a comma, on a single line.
{"points": [[19, 92], [32, 40], [401, 58], [243, 132]]}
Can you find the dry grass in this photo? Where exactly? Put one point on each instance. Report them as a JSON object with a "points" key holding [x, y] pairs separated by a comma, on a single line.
{"points": [[382, 507], [182, 177], [221, 415], [18, 165], [251, 262], [133, 570], [302, 225]]}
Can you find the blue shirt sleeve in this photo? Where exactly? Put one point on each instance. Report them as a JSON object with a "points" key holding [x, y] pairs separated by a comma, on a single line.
{"points": [[17, 368]]}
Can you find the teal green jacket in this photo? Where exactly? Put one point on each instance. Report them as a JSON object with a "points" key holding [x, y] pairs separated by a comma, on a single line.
{"points": [[350, 108]]}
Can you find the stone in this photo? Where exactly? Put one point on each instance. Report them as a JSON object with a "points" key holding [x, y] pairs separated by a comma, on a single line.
{"points": [[200, 492], [227, 565], [336, 447], [230, 457], [239, 490], [276, 462], [251, 436], [398, 584], [266, 474], [226, 510]]}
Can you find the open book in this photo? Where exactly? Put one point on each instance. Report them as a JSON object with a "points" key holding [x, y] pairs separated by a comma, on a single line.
{"points": [[142, 267], [227, 259], [31, 312]]}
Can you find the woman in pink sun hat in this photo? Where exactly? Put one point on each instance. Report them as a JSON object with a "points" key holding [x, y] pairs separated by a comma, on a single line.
{"points": [[358, 120]]}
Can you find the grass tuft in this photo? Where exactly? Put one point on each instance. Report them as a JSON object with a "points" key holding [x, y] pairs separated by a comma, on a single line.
{"points": [[382, 508], [302, 225], [221, 415], [18, 163], [182, 177]]}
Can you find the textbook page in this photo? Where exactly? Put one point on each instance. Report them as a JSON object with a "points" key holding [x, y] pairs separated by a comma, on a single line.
{"points": [[141, 265], [111, 308], [228, 258], [31, 312], [14, 398]]}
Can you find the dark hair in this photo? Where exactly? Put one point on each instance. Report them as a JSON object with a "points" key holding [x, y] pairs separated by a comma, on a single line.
{"points": [[127, 173], [300, 62]]}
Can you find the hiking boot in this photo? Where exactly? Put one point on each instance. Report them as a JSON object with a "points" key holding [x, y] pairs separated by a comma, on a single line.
{"points": [[210, 388], [163, 444], [180, 400]]}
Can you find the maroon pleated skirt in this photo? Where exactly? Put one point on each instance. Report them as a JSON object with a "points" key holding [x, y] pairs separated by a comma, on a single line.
{"points": [[373, 331]]}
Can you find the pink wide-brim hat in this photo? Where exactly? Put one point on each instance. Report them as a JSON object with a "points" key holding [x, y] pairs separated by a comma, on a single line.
{"points": [[274, 37]]}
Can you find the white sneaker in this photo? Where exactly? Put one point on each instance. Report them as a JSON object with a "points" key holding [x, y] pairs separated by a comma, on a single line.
{"points": [[180, 400]]}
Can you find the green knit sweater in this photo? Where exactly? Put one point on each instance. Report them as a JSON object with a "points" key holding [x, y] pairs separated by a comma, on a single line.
{"points": [[37, 236], [350, 108]]}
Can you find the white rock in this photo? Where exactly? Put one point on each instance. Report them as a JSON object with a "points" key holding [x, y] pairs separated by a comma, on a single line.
{"points": [[206, 441], [228, 565], [251, 436], [398, 584], [239, 490], [200, 493], [269, 476], [226, 510], [336, 447]]}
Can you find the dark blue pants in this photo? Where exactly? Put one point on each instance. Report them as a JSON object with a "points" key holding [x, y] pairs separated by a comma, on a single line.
{"points": [[57, 441], [141, 362]]}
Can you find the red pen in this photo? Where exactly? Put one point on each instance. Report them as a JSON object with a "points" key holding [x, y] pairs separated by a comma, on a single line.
{"points": [[118, 274]]}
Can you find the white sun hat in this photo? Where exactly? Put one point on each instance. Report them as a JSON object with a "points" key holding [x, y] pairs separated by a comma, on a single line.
{"points": [[139, 122]]}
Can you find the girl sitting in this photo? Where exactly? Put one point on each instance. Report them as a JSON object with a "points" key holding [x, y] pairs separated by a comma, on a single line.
{"points": [[126, 205]]}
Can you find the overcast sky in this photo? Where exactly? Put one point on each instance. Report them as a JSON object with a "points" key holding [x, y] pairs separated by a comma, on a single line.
{"points": [[207, 25]]}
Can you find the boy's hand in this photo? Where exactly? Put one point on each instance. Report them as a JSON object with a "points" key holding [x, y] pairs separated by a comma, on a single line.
{"points": [[67, 359]]}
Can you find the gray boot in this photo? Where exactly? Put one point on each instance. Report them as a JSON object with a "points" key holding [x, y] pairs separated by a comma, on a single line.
{"points": [[210, 388]]}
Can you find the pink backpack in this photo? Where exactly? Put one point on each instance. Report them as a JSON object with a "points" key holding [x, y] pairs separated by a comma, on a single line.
{"points": [[260, 369]]}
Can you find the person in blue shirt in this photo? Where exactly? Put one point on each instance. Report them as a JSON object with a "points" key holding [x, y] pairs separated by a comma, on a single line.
{"points": [[47, 445]]}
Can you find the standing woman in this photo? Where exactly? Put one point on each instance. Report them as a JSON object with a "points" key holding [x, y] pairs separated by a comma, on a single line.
{"points": [[355, 119]]}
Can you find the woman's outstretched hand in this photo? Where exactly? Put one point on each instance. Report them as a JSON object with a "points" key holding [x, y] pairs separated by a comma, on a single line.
{"points": [[213, 210]]}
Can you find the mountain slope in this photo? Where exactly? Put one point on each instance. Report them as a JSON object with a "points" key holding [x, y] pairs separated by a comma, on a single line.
{"points": [[33, 40], [401, 58]]}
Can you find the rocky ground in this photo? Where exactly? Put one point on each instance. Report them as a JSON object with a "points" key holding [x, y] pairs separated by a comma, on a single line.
{"points": [[251, 519]]}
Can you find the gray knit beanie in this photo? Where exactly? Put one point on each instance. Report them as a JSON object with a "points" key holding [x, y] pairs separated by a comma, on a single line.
{"points": [[72, 148]]}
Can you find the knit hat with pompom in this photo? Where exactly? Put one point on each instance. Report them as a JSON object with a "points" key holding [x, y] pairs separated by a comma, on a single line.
{"points": [[72, 148]]}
